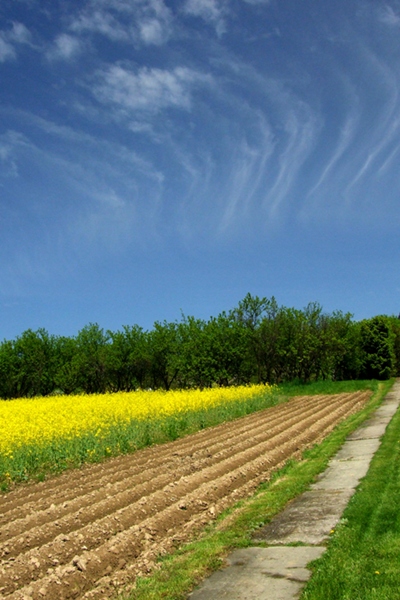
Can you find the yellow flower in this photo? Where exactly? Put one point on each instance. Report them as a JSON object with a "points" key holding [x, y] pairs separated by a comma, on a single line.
{"points": [[39, 421]]}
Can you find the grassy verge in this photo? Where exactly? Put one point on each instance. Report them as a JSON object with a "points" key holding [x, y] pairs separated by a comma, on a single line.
{"points": [[179, 572], [326, 387], [362, 560]]}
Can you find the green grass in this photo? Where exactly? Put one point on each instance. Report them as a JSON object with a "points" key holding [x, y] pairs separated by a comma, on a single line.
{"points": [[180, 571], [326, 387], [362, 560]]}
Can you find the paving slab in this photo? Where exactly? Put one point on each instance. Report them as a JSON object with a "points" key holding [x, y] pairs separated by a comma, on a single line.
{"points": [[375, 426], [357, 449], [309, 518], [343, 475], [369, 432], [260, 574], [279, 571]]}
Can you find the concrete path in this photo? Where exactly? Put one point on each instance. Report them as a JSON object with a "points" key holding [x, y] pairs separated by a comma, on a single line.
{"points": [[279, 572]]}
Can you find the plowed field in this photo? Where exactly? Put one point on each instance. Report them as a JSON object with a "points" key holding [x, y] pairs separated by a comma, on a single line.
{"points": [[90, 532]]}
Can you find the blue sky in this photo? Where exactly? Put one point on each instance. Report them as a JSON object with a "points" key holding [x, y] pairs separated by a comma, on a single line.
{"points": [[160, 156]]}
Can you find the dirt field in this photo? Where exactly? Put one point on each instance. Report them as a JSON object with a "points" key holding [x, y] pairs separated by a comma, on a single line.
{"points": [[90, 532]]}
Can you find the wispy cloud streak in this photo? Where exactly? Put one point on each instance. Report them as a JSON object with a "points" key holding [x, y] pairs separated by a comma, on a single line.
{"points": [[212, 11], [145, 21], [230, 134], [148, 89], [346, 137], [10, 39], [389, 16]]}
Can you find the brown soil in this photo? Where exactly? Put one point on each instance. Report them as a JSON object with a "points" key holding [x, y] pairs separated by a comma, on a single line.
{"points": [[90, 532]]}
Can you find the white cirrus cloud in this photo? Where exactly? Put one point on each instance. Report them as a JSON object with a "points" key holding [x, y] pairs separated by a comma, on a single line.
{"points": [[248, 168], [212, 11], [153, 21], [104, 183], [148, 89], [146, 21], [151, 32], [18, 34], [346, 137], [10, 143], [6, 49], [66, 47], [101, 22], [300, 134], [389, 16]]}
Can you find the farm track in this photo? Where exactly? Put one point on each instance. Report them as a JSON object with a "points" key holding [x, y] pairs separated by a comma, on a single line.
{"points": [[92, 531]]}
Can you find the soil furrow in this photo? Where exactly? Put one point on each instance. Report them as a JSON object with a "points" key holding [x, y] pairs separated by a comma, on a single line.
{"points": [[64, 504], [94, 505], [123, 529], [222, 476], [90, 508], [123, 578], [88, 474]]}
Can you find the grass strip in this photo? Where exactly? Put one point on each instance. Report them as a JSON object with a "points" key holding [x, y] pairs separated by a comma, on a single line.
{"points": [[362, 560], [295, 388], [179, 572]]}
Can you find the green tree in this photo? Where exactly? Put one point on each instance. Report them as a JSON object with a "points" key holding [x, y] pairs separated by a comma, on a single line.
{"points": [[394, 324], [8, 370], [129, 362], [194, 357], [67, 377], [343, 359], [163, 348], [258, 319], [90, 361], [34, 363], [227, 346], [377, 343]]}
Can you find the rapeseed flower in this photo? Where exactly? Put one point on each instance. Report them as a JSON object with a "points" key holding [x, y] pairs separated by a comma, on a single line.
{"points": [[40, 421]]}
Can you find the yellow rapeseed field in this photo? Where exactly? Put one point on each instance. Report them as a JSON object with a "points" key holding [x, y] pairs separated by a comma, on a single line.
{"points": [[39, 421]]}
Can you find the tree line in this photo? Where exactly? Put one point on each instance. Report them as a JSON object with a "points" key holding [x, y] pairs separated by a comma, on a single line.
{"points": [[258, 341]]}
